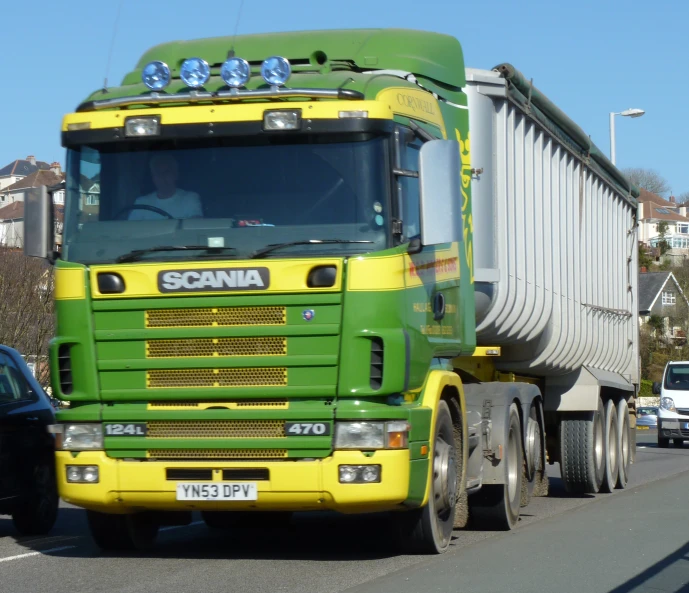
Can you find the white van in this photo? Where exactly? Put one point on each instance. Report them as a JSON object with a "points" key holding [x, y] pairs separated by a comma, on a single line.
{"points": [[673, 413]]}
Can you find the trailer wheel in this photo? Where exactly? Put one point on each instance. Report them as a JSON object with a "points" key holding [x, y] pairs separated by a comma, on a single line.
{"points": [[611, 448], [624, 454], [123, 532], [535, 477], [429, 529], [497, 506], [582, 459]]}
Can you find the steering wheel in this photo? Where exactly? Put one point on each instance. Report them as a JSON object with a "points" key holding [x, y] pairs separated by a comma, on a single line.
{"points": [[144, 207]]}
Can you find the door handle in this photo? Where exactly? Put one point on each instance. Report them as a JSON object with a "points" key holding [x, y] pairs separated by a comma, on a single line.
{"points": [[438, 306]]}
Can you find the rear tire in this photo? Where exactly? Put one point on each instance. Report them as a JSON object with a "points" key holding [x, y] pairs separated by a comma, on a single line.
{"points": [[123, 532], [663, 443], [497, 506], [624, 455], [429, 529], [535, 477], [611, 448], [582, 459]]}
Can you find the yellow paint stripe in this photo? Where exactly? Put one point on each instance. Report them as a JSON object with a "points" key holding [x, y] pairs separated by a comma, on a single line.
{"points": [[70, 284], [416, 104], [141, 280], [396, 272]]}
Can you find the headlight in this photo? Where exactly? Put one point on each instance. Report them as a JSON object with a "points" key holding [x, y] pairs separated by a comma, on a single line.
{"points": [[195, 72], [235, 72], [371, 435], [156, 75], [276, 70], [81, 437], [667, 403]]}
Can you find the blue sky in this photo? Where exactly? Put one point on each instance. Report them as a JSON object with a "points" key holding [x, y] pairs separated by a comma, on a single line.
{"points": [[590, 58]]}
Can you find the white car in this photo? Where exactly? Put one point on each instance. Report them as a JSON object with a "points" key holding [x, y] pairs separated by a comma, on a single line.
{"points": [[673, 413]]}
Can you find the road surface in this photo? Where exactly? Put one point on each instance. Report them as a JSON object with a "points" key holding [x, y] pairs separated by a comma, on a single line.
{"points": [[632, 540]]}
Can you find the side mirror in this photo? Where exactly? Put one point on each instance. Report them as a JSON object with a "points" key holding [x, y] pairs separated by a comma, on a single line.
{"points": [[656, 388], [440, 192], [39, 223]]}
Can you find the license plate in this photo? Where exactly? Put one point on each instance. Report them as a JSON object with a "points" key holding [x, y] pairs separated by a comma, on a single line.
{"points": [[217, 491]]}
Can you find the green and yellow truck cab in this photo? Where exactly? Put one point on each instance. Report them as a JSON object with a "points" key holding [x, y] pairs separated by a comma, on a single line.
{"points": [[265, 293]]}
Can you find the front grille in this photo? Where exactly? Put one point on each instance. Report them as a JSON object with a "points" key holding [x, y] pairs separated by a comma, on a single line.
{"points": [[250, 377], [270, 404], [220, 317], [188, 474], [217, 429], [211, 347], [233, 454]]}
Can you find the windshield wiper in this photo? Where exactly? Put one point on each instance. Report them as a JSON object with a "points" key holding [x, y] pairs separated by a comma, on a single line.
{"points": [[138, 253], [275, 246]]}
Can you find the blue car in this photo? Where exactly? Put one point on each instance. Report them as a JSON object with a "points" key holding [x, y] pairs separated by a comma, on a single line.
{"points": [[28, 488], [647, 416]]}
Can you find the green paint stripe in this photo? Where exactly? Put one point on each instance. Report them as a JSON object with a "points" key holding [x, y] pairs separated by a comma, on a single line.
{"points": [[418, 474], [105, 335], [217, 363], [200, 302], [321, 413], [251, 443], [219, 393]]}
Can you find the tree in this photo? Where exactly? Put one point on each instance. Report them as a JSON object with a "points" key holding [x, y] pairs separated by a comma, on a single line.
{"points": [[683, 197], [645, 260], [649, 179], [26, 308], [662, 233]]}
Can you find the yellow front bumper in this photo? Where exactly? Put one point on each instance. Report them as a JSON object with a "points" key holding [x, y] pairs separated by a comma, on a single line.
{"points": [[130, 486]]}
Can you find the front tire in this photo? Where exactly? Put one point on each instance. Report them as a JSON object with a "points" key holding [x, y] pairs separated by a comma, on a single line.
{"points": [[582, 448], [611, 448], [663, 443], [123, 532], [679, 443], [429, 529]]}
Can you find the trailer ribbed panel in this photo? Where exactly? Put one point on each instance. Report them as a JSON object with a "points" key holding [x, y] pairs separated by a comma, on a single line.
{"points": [[554, 245]]}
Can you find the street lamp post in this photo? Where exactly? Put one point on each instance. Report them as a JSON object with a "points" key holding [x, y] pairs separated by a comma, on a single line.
{"points": [[626, 113]]}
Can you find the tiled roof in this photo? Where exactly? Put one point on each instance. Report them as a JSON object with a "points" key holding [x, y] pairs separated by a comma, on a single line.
{"points": [[647, 196], [36, 179], [656, 211], [650, 284], [22, 167], [12, 211]]}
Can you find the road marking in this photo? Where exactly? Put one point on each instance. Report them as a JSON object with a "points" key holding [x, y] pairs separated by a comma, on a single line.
{"points": [[29, 554], [181, 526]]}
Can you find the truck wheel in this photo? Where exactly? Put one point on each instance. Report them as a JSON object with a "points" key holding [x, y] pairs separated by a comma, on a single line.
{"points": [[678, 443], [624, 454], [663, 443], [123, 532], [534, 477], [582, 459], [36, 511], [429, 529], [497, 506], [611, 448]]}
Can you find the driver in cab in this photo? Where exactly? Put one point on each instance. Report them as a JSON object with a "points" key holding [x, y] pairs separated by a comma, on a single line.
{"points": [[169, 198]]}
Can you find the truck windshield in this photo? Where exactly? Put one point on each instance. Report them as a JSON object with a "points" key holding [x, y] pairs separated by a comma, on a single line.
{"points": [[238, 196], [677, 377]]}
